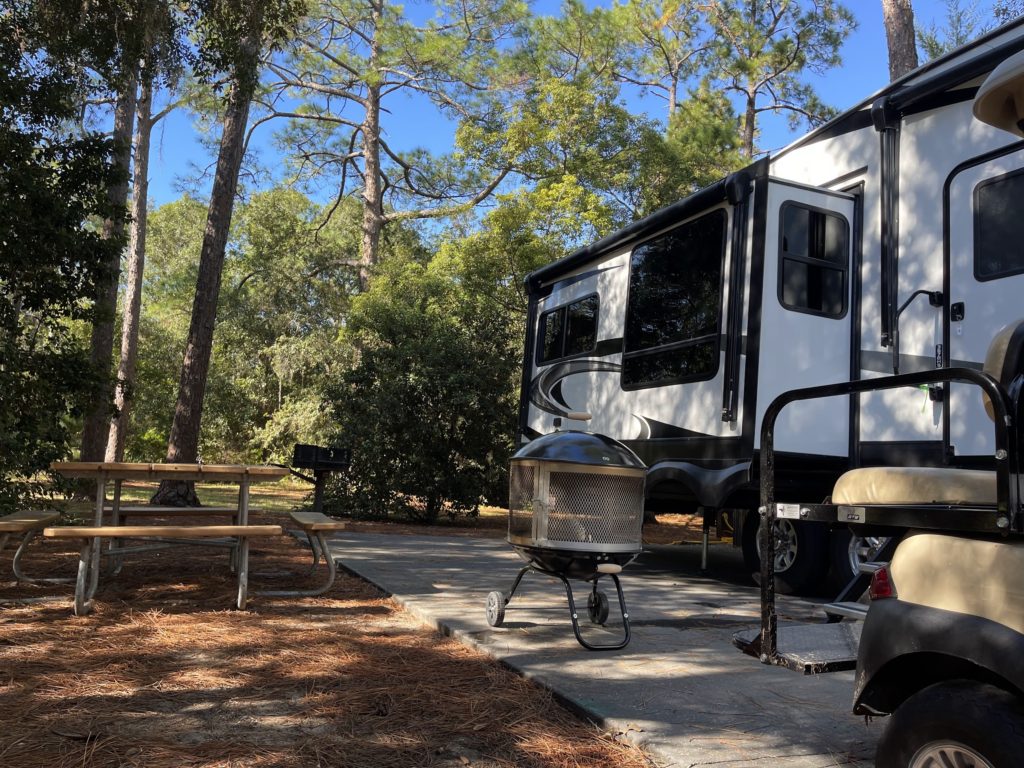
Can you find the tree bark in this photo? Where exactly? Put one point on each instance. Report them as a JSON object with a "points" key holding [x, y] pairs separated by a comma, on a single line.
{"points": [[124, 387], [183, 445], [898, 16], [749, 125], [373, 204], [101, 348]]}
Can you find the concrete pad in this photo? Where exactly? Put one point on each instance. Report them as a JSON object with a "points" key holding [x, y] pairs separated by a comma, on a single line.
{"points": [[680, 688]]}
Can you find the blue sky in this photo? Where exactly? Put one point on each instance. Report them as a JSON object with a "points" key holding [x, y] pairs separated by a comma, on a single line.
{"points": [[177, 153]]}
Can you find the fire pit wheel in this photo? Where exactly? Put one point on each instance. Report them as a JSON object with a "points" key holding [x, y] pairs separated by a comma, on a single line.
{"points": [[496, 602], [597, 606]]}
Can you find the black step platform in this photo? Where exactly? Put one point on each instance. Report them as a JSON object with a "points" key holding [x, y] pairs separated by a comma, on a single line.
{"points": [[808, 648]]}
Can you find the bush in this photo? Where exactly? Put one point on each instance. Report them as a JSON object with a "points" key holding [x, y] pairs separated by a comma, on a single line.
{"points": [[429, 407]]}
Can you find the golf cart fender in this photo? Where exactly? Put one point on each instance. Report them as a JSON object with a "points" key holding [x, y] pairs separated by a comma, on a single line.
{"points": [[905, 647]]}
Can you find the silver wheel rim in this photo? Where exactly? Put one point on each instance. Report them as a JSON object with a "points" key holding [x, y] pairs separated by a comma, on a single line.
{"points": [[785, 545], [863, 549], [948, 755]]}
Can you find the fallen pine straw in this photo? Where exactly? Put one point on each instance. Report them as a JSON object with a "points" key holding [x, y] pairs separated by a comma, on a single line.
{"points": [[165, 674]]}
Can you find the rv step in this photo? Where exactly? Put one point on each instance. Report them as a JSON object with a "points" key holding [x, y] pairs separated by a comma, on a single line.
{"points": [[847, 610], [870, 567], [808, 648]]}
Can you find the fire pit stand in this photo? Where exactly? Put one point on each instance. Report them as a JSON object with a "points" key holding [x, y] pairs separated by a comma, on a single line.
{"points": [[597, 606], [575, 512]]}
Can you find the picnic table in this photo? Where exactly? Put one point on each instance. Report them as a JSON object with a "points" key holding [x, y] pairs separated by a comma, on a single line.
{"points": [[160, 536]]}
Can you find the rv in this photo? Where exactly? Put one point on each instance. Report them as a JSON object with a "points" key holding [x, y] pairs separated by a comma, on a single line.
{"points": [[886, 241]]}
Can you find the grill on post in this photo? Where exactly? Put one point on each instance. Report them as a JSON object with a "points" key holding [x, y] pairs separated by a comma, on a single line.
{"points": [[322, 460], [575, 512]]}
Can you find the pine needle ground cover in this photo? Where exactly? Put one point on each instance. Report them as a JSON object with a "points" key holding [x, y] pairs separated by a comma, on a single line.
{"points": [[165, 674]]}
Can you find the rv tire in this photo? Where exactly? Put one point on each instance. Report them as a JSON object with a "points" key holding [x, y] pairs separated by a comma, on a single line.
{"points": [[805, 570]]}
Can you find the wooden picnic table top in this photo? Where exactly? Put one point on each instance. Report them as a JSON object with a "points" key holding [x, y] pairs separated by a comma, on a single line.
{"points": [[119, 470]]}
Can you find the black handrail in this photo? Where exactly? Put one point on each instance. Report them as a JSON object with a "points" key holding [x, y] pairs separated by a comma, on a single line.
{"points": [[1007, 497]]}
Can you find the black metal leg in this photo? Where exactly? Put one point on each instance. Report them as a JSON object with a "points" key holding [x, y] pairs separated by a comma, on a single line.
{"points": [[515, 584], [572, 606]]}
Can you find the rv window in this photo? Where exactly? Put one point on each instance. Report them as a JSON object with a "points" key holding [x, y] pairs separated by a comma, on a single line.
{"points": [[569, 330], [999, 227], [673, 314], [813, 260]]}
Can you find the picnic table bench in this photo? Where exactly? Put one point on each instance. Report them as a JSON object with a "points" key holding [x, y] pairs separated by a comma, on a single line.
{"points": [[315, 525], [29, 523], [90, 536]]}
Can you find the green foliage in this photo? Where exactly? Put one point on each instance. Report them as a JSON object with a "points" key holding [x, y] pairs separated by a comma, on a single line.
{"points": [[52, 184], [761, 50], [287, 282], [963, 22], [427, 409]]}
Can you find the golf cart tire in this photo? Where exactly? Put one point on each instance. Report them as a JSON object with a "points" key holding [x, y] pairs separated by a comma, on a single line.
{"points": [[956, 715]]}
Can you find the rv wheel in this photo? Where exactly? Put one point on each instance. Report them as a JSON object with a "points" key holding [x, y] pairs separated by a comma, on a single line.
{"points": [[801, 554], [956, 723], [849, 551]]}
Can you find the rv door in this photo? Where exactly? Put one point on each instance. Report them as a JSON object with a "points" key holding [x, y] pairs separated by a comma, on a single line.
{"points": [[806, 314], [985, 265]]}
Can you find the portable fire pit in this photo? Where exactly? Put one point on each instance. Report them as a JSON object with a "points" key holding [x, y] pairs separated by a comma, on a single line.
{"points": [[576, 505]]}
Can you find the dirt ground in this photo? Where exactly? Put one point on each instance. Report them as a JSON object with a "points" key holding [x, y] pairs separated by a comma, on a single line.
{"points": [[166, 674]]}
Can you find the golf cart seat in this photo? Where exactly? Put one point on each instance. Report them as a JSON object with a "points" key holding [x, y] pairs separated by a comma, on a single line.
{"points": [[939, 485]]}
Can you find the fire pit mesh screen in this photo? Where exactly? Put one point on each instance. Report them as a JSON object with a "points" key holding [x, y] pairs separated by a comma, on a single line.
{"points": [[550, 505], [590, 508], [520, 501]]}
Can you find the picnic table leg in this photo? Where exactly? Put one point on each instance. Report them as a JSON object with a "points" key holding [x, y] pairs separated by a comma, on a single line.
{"points": [[114, 563], [314, 545], [83, 601], [94, 566], [317, 542], [243, 570], [16, 564]]}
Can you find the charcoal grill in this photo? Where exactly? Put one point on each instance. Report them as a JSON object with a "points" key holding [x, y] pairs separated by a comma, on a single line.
{"points": [[576, 504]]}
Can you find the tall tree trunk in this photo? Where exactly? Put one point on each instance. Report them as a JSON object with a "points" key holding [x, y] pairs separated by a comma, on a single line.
{"points": [[373, 208], [124, 391], [183, 445], [373, 204], [749, 125], [101, 348], [899, 33]]}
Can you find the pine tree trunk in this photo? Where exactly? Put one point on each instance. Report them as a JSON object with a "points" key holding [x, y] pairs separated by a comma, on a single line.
{"points": [[183, 445], [101, 348], [373, 208], [124, 391], [898, 16], [749, 125]]}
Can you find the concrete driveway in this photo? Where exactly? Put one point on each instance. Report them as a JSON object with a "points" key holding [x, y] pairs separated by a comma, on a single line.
{"points": [[680, 687]]}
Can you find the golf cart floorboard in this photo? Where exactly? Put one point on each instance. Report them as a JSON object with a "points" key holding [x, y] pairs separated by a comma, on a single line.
{"points": [[809, 648]]}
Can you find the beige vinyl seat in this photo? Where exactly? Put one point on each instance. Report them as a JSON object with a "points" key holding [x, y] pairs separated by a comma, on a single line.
{"points": [[938, 485]]}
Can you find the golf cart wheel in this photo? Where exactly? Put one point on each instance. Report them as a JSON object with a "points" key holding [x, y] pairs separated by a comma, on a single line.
{"points": [[597, 607], [956, 723], [496, 608]]}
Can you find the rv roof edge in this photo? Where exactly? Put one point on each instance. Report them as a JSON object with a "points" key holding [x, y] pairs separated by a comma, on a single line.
{"points": [[1000, 100]]}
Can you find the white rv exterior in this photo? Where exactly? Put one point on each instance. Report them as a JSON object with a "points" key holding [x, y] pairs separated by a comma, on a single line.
{"points": [[885, 239]]}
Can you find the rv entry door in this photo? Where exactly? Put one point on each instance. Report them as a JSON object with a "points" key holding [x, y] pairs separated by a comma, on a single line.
{"points": [[805, 314], [985, 213]]}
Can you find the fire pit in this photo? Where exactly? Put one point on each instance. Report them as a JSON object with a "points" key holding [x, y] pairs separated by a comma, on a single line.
{"points": [[576, 504]]}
